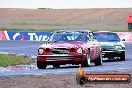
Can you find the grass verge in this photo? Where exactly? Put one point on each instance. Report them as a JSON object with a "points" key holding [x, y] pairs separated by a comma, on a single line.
{"points": [[8, 60], [51, 30], [28, 30]]}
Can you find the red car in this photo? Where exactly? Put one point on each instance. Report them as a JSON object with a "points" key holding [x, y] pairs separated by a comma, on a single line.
{"points": [[69, 47]]}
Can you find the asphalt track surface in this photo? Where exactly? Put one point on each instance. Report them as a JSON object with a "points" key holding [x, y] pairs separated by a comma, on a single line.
{"points": [[30, 48]]}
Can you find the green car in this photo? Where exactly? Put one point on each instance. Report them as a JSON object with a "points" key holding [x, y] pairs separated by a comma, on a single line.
{"points": [[112, 46]]}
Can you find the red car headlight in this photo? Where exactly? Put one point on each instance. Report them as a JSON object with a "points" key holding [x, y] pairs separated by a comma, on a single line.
{"points": [[40, 51], [79, 51]]}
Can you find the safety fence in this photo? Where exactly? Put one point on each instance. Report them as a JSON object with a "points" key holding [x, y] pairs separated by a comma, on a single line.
{"points": [[43, 36]]}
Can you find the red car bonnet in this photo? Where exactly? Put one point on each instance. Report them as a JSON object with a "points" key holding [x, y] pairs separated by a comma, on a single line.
{"points": [[62, 44]]}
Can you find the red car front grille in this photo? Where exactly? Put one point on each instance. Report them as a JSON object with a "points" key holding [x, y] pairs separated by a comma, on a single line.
{"points": [[59, 51]]}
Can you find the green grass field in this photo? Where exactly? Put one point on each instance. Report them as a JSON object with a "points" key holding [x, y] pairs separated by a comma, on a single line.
{"points": [[9, 60]]}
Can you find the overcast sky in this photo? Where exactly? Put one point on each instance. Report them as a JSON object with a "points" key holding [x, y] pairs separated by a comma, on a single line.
{"points": [[61, 4]]}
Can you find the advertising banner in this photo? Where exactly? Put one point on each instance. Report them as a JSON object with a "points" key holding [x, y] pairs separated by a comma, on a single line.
{"points": [[43, 36], [125, 35], [32, 36], [0, 35]]}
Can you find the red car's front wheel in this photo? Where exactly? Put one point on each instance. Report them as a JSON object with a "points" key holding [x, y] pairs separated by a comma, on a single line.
{"points": [[41, 65], [98, 60], [87, 62]]}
